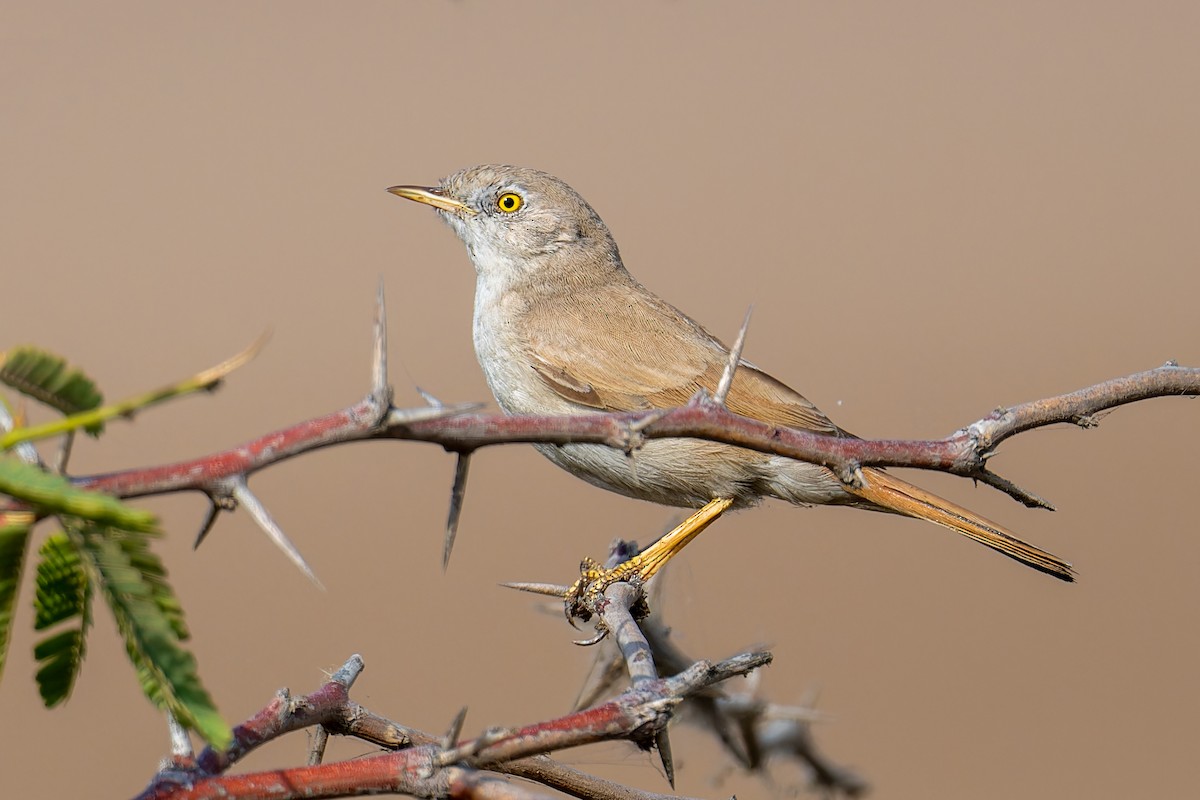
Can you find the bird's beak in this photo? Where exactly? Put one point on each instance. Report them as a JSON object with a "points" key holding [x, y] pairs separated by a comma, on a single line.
{"points": [[433, 196]]}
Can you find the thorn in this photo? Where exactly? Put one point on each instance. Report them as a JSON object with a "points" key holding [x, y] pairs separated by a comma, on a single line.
{"points": [[181, 743], [405, 416], [210, 520], [456, 726], [381, 390], [241, 492], [735, 357], [457, 493], [663, 742], [429, 398], [548, 589]]}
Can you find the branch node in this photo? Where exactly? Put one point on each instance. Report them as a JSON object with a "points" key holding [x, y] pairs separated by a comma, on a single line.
{"points": [[850, 474], [632, 439]]}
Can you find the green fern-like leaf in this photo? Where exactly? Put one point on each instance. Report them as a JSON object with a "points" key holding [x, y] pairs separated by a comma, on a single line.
{"points": [[14, 535], [62, 593], [149, 620], [59, 656], [54, 494], [60, 584], [49, 379], [152, 571]]}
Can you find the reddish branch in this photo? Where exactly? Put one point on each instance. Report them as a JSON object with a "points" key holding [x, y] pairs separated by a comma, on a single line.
{"points": [[419, 766], [964, 453], [422, 765]]}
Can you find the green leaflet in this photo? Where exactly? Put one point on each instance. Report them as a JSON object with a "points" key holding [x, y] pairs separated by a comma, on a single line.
{"points": [[62, 593], [59, 655], [54, 494], [49, 379], [149, 619], [14, 535]]}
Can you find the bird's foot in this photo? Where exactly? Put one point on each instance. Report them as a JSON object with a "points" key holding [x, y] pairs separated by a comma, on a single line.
{"points": [[583, 598]]}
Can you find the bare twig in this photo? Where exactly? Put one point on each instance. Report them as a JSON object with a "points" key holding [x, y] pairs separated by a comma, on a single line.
{"points": [[316, 748]]}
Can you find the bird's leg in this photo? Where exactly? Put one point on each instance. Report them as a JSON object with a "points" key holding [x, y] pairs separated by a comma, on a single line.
{"points": [[581, 598]]}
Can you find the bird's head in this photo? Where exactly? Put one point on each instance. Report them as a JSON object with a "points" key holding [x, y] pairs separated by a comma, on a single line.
{"points": [[520, 224]]}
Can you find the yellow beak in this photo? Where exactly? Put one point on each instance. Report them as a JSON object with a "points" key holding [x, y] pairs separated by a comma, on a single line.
{"points": [[432, 196]]}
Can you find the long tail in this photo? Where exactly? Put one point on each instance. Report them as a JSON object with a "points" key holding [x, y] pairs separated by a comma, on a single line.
{"points": [[902, 497]]}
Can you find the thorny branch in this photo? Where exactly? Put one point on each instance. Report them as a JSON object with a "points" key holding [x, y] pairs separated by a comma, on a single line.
{"points": [[461, 429], [964, 453], [751, 730], [423, 766], [426, 766]]}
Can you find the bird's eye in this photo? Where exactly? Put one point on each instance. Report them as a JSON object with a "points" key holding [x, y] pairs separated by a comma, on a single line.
{"points": [[509, 202]]}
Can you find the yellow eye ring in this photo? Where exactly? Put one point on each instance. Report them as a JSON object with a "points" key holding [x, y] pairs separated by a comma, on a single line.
{"points": [[510, 202]]}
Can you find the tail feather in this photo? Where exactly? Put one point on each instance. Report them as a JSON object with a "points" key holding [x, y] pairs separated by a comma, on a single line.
{"points": [[893, 494]]}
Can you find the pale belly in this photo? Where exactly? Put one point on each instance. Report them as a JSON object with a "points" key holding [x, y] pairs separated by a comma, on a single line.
{"points": [[690, 472]]}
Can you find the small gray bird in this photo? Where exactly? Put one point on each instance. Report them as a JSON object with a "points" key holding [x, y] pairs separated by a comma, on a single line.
{"points": [[561, 327]]}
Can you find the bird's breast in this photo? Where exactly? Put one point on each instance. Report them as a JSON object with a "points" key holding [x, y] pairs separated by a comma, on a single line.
{"points": [[503, 351]]}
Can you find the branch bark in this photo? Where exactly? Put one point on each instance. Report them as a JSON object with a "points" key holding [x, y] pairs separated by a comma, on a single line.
{"points": [[964, 453], [421, 766]]}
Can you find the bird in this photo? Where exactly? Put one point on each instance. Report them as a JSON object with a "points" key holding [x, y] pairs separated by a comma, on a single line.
{"points": [[560, 326]]}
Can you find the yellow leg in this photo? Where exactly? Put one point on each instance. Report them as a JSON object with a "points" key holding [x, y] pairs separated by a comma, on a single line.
{"points": [[594, 579]]}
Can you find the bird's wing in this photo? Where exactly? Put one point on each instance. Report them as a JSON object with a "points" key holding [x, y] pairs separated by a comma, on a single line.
{"points": [[658, 358], [653, 357]]}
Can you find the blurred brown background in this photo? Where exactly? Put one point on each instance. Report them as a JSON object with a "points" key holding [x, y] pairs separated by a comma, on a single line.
{"points": [[965, 207]]}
